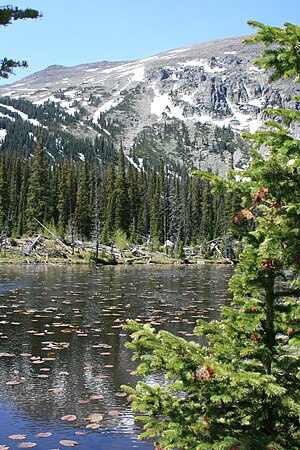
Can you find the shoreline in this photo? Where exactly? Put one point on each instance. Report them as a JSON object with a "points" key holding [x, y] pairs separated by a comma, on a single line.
{"points": [[45, 251]]}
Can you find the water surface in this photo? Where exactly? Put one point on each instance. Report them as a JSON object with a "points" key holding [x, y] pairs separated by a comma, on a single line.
{"points": [[62, 346]]}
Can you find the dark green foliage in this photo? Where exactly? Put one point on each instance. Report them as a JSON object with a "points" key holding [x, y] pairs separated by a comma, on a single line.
{"points": [[241, 391], [4, 193], [283, 58], [38, 197], [58, 191], [83, 213], [122, 204]]}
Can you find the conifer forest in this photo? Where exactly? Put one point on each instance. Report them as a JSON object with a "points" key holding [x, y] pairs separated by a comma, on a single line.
{"points": [[102, 193]]}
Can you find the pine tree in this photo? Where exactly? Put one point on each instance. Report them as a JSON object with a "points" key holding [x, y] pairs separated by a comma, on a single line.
{"points": [[107, 203], [63, 203], [22, 204], [38, 205], [156, 213], [144, 209], [242, 390], [206, 218], [84, 211], [4, 192], [122, 205], [14, 194]]}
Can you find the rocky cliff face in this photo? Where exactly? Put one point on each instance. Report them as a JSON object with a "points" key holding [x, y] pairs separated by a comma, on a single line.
{"points": [[188, 105]]}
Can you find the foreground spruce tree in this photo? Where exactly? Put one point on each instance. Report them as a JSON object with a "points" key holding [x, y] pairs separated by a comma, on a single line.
{"points": [[242, 391]]}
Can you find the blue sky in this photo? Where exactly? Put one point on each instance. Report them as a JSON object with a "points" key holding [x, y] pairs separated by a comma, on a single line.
{"points": [[74, 32]]}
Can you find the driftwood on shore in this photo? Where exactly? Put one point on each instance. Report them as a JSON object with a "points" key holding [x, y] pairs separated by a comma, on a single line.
{"points": [[58, 240], [31, 246], [45, 249]]}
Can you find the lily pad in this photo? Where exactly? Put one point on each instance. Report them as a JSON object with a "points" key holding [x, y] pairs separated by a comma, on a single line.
{"points": [[26, 444], [93, 426], [43, 435], [69, 418], [17, 436], [68, 443], [95, 418]]}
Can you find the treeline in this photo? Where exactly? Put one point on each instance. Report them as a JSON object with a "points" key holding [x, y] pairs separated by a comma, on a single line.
{"points": [[89, 199]]}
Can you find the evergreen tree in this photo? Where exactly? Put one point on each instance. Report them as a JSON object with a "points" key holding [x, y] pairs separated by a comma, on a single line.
{"points": [[144, 213], [195, 208], [84, 211], [242, 390], [206, 218], [21, 221], [63, 204], [4, 192], [38, 205], [14, 194], [66, 197], [107, 203], [122, 205], [156, 213]]}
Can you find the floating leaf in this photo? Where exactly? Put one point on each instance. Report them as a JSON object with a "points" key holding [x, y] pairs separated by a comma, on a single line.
{"points": [[120, 394], [4, 447], [93, 426], [55, 390], [89, 368], [17, 436], [69, 418], [96, 397], [68, 443], [26, 445], [114, 413], [43, 435], [15, 382], [95, 418]]}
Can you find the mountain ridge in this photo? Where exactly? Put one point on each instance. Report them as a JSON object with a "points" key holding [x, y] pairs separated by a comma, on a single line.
{"points": [[187, 105]]}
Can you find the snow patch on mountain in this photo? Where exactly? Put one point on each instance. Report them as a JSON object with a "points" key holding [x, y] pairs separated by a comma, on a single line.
{"points": [[6, 116], [3, 133], [150, 58], [204, 64], [178, 50], [24, 116], [106, 107], [256, 102], [188, 98], [246, 120], [163, 104]]}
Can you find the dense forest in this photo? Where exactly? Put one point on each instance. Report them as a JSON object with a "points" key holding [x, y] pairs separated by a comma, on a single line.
{"points": [[90, 189], [92, 199]]}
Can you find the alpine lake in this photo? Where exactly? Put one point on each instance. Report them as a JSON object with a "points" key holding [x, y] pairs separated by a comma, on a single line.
{"points": [[62, 346]]}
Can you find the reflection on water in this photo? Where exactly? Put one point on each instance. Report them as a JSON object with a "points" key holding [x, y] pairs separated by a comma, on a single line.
{"points": [[62, 346]]}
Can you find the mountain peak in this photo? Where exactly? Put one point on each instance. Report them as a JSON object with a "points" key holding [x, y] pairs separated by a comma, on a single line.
{"points": [[188, 105]]}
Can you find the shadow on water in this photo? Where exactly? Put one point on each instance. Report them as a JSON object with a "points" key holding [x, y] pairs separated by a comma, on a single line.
{"points": [[62, 346]]}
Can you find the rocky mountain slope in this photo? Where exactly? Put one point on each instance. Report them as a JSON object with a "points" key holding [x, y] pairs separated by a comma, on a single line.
{"points": [[188, 105]]}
